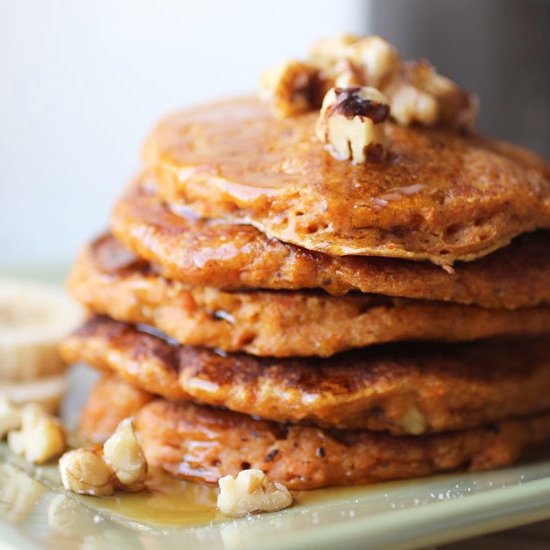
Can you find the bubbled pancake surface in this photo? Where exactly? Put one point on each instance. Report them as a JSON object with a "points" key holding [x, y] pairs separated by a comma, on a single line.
{"points": [[217, 254], [440, 196], [400, 388], [109, 280], [203, 444]]}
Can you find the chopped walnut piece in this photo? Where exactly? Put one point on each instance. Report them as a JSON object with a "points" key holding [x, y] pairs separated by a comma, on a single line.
{"points": [[342, 74], [377, 58], [119, 464], [371, 57], [324, 53], [290, 87], [251, 492], [417, 93], [409, 105], [84, 471], [351, 123], [41, 437], [349, 60], [123, 454]]}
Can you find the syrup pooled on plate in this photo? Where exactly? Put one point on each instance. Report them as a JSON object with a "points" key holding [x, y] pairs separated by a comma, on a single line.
{"points": [[169, 502], [172, 502]]}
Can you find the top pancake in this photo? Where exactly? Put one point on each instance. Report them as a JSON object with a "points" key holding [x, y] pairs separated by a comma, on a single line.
{"points": [[441, 196], [201, 252]]}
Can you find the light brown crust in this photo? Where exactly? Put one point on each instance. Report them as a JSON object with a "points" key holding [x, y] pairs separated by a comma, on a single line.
{"points": [[400, 388], [279, 324], [441, 196], [221, 255], [202, 444]]}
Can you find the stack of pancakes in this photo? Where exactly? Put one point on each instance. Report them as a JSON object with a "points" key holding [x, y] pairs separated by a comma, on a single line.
{"points": [[259, 303]]}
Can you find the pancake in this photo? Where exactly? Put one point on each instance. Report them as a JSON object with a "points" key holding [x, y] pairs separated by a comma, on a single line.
{"points": [[402, 388], [442, 196], [217, 254], [109, 280], [202, 444]]}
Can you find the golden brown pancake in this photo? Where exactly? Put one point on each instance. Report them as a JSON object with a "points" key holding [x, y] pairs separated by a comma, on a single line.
{"points": [[217, 254], [202, 444], [401, 388], [279, 324], [442, 196]]}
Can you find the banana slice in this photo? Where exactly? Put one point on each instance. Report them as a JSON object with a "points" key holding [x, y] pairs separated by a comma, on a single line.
{"points": [[33, 317], [45, 392]]}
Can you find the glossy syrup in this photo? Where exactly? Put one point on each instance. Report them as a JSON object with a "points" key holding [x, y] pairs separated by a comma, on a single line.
{"points": [[169, 502], [176, 503]]}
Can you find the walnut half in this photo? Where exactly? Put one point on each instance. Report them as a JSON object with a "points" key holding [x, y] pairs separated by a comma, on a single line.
{"points": [[40, 438], [416, 92], [99, 471], [291, 88], [84, 471], [251, 492], [372, 58], [123, 454], [352, 123]]}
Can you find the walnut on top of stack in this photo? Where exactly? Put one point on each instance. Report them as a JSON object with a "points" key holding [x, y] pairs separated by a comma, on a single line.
{"points": [[416, 92], [366, 76]]}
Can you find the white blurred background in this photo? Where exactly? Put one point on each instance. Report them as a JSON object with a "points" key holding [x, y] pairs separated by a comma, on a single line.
{"points": [[81, 82]]}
